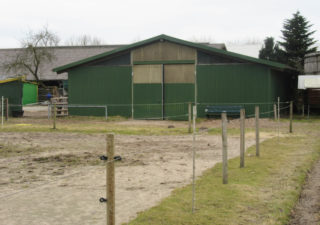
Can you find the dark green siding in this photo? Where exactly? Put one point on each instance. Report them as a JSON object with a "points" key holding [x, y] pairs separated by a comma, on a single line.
{"points": [[13, 91], [176, 98], [205, 59], [100, 85], [120, 60], [281, 85], [147, 100], [233, 84]]}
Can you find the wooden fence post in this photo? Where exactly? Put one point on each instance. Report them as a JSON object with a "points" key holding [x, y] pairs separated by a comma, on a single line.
{"points": [[275, 111], [106, 112], [7, 109], [2, 110], [257, 131], [242, 137], [54, 115], [189, 115], [194, 158], [110, 192], [278, 109], [291, 112], [224, 149]]}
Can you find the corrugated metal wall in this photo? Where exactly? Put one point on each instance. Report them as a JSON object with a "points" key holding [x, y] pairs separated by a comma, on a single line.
{"points": [[147, 91], [233, 84], [312, 63], [100, 85], [281, 85], [161, 89], [13, 91], [312, 66], [163, 51]]}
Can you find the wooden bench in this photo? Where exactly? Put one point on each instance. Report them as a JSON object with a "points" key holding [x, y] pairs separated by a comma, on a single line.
{"points": [[231, 110]]}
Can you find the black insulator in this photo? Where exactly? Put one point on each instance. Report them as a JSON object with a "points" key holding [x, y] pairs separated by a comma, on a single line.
{"points": [[103, 200]]}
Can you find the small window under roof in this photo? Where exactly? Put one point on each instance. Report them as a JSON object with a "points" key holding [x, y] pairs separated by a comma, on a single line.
{"points": [[120, 60], [205, 59]]}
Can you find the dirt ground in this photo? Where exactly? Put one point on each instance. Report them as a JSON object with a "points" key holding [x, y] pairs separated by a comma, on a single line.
{"points": [[307, 210], [57, 178]]}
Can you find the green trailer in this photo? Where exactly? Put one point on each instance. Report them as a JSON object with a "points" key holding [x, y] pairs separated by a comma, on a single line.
{"points": [[19, 93]]}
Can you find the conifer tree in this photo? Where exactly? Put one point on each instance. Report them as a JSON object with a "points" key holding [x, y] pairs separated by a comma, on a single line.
{"points": [[297, 40], [271, 51]]}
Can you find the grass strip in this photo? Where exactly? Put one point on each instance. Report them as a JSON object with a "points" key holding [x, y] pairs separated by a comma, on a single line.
{"points": [[264, 192], [94, 129]]}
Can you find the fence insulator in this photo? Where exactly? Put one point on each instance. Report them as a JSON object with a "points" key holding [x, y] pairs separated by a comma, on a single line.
{"points": [[103, 200], [117, 158]]}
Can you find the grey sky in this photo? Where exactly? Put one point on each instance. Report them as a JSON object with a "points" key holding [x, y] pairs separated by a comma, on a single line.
{"points": [[124, 21]]}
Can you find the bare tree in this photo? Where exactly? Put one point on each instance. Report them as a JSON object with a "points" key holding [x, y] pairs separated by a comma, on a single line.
{"points": [[83, 40], [36, 51]]}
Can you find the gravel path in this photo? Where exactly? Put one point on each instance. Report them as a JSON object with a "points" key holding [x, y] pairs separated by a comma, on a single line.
{"points": [[307, 211]]}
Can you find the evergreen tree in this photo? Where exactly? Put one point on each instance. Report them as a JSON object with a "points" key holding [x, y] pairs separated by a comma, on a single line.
{"points": [[297, 40], [271, 51]]}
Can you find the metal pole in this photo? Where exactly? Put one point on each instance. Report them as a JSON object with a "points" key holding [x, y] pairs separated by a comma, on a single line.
{"points": [[106, 112], [190, 115], [242, 137], [278, 117], [2, 111], [224, 149], [54, 115], [291, 112], [7, 109], [194, 157], [162, 93], [49, 110], [110, 181], [257, 132]]}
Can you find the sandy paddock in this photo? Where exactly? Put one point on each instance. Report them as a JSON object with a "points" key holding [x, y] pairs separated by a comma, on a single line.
{"points": [[60, 179]]}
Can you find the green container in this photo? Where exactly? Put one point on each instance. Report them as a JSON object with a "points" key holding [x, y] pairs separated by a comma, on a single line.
{"points": [[30, 93]]}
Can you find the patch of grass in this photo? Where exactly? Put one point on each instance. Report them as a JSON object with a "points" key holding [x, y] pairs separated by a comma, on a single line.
{"points": [[96, 118], [264, 192], [300, 119], [92, 128], [231, 131]]}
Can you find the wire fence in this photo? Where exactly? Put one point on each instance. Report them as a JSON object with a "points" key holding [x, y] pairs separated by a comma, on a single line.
{"points": [[151, 166], [167, 111]]}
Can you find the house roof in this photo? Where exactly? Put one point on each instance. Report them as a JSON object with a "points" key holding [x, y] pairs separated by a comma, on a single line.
{"points": [[63, 55], [199, 46]]}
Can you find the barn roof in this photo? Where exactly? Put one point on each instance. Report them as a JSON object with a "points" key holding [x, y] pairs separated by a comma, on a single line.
{"points": [[199, 46]]}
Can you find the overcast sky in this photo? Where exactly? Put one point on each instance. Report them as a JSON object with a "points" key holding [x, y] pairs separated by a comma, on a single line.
{"points": [[125, 21]]}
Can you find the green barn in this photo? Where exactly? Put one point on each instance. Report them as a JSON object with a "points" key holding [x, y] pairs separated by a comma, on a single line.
{"points": [[19, 93], [158, 77]]}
